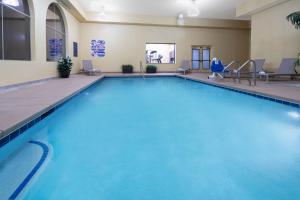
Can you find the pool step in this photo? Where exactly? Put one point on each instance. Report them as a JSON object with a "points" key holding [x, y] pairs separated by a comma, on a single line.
{"points": [[16, 168]]}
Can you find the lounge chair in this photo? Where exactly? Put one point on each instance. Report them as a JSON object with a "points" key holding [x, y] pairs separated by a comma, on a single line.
{"points": [[88, 68], [286, 68], [185, 67], [259, 65]]}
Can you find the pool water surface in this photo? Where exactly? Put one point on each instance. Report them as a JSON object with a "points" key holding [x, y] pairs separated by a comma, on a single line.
{"points": [[168, 138]]}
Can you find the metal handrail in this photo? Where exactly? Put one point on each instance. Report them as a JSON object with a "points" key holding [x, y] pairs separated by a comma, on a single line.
{"points": [[238, 72], [226, 69], [142, 69], [229, 65]]}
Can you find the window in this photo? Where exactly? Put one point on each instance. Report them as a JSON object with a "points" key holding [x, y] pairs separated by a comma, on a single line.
{"points": [[201, 58], [75, 49], [160, 53], [55, 34], [15, 30]]}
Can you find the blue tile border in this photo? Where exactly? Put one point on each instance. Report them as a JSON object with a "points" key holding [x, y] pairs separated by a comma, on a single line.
{"points": [[14, 134], [27, 179], [11, 136], [4, 141]]}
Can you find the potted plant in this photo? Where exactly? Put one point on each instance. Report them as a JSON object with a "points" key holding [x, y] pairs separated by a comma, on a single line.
{"points": [[127, 69], [151, 69], [297, 65], [64, 67], [294, 18]]}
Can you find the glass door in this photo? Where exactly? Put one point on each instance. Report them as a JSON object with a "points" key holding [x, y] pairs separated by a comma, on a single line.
{"points": [[201, 57], [195, 58], [206, 58]]}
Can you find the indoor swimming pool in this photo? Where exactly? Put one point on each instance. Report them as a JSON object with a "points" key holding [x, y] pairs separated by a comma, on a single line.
{"points": [[157, 138]]}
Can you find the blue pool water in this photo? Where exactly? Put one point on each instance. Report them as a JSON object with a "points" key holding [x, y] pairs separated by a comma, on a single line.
{"points": [[168, 138]]}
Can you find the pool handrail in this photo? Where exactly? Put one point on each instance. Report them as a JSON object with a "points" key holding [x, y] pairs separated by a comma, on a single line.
{"points": [[237, 72], [142, 69], [226, 69]]}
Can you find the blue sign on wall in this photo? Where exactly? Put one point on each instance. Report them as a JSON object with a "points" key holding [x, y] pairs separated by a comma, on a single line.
{"points": [[56, 47], [98, 48]]}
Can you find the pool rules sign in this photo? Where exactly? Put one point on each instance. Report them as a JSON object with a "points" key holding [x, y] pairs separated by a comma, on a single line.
{"points": [[98, 48]]}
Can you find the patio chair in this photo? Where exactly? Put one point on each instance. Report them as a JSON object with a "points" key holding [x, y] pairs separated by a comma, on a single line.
{"points": [[88, 68], [286, 68], [259, 65], [185, 67]]}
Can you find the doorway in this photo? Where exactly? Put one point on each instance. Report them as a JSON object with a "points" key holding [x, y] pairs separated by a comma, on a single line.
{"points": [[201, 57]]}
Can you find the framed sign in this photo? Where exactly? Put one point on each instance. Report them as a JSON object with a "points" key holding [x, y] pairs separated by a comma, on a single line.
{"points": [[56, 47], [75, 49], [98, 48]]}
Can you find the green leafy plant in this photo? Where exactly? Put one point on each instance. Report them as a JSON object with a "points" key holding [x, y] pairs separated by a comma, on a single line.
{"points": [[297, 64], [294, 18], [151, 69], [64, 67], [127, 69], [298, 61]]}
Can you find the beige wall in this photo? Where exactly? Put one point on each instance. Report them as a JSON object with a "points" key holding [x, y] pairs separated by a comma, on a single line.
{"points": [[251, 7], [12, 72], [125, 44], [272, 36]]}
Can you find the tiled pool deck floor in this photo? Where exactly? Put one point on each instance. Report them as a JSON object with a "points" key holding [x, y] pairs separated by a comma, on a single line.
{"points": [[19, 106], [284, 90]]}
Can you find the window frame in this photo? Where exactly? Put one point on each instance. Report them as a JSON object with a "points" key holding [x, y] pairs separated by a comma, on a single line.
{"points": [[59, 12], [167, 43], [28, 33]]}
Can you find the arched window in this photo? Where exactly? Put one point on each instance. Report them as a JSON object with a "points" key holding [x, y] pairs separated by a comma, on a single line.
{"points": [[15, 30], [55, 34]]}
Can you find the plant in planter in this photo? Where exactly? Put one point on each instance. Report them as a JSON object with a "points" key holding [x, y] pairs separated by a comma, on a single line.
{"points": [[294, 18], [151, 69], [64, 67], [127, 69], [297, 65]]}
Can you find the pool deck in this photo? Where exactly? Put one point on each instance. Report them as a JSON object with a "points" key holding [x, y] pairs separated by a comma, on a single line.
{"points": [[282, 90], [20, 105]]}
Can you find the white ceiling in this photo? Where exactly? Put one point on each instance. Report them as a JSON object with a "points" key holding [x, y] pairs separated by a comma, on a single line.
{"points": [[215, 9]]}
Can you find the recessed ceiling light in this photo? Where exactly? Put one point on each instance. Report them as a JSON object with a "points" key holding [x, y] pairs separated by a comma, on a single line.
{"points": [[194, 10], [180, 20], [102, 14], [95, 6]]}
